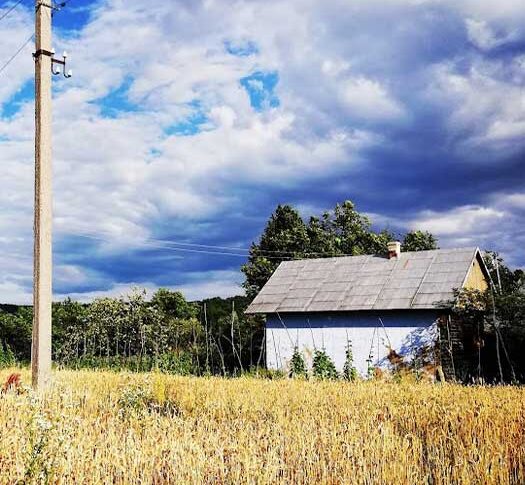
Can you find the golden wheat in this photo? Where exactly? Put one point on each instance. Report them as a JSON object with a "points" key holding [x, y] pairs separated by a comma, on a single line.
{"points": [[103, 427]]}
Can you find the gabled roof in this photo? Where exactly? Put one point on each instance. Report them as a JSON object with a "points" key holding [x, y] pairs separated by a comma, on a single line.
{"points": [[415, 280]]}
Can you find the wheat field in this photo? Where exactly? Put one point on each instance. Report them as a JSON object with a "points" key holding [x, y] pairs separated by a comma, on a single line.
{"points": [[104, 427]]}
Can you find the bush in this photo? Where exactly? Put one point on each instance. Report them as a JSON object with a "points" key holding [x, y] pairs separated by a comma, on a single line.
{"points": [[7, 358], [349, 371], [323, 366], [297, 365]]}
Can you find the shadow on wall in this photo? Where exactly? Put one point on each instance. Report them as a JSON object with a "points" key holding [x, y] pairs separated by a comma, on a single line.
{"points": [[418, 341]]}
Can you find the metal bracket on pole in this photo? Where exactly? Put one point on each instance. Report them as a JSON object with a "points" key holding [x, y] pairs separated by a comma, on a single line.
{"points": [[52, 6], [62, 63], [43, 52]]}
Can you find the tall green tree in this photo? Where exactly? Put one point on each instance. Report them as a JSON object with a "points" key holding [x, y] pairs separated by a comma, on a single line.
{"points": [[509, 280], [419, 241], [341, 231], [284, 237], [352, 232]]}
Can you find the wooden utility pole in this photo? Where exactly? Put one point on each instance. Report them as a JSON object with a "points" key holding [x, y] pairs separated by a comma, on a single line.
{"points": [[42, 283]]}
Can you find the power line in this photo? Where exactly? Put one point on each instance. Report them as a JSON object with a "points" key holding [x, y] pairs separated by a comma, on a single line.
{"points": [[5, 14], [158, 245], [247, 250], [16, 53], [261, 252], [221, 250]]}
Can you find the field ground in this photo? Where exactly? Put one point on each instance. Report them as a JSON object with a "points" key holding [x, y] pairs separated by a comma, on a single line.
{"points": [[103, 427]]}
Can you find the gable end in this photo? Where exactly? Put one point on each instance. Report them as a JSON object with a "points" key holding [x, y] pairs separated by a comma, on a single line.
{"points": [[478, 277]]}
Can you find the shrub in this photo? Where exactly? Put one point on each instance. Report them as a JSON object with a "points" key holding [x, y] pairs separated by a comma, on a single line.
{"points": [[349, 371], [298, 365], [7, 358], [323, 366]]}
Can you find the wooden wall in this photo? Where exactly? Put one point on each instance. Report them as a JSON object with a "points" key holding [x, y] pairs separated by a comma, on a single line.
{"points": [[476, 279]]}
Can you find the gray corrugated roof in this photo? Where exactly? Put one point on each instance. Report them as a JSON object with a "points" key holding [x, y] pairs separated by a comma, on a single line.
{"points": [[419, 280]]}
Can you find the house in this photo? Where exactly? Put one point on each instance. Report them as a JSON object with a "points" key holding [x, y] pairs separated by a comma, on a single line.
{"points": [[387, 307]]}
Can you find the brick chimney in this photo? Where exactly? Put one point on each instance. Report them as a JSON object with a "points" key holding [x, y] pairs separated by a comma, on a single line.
{"points": [[394, 249]]}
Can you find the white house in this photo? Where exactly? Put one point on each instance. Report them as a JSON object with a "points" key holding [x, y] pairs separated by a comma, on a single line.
{"points": [[399, 303]]}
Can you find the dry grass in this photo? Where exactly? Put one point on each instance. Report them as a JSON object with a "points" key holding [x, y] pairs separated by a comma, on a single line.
{"points": [[101, 427]]}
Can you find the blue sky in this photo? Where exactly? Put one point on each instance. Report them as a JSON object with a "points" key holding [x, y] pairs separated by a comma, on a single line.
{"points": [[186, 123]]}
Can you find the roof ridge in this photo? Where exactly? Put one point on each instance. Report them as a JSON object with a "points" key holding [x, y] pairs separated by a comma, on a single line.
{"points": [[346, 256]]}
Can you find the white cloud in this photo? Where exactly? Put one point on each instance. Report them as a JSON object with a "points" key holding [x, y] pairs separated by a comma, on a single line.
{"points": [[495, 225], [489, 111], [458, 221], [482, 35], [368, 99], [205, 285], [16, 30], [118, 177]]}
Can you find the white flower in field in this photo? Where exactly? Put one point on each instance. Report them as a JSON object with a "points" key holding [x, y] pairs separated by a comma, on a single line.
{"points": [[43, 424]]}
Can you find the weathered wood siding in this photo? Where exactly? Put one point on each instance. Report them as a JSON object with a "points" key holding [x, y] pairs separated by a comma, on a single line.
{"points": [[459, 348]]}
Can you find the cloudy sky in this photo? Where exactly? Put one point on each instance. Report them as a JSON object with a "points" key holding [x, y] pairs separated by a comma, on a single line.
{"points": [[187, 122]]}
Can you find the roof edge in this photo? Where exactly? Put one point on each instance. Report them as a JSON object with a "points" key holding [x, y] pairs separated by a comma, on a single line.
{"points": [[479, 256]]}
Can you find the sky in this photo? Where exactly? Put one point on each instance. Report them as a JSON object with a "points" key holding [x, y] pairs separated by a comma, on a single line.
{"points": [[186, 122]]}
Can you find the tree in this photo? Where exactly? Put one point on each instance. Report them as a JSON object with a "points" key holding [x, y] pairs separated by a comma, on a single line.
{"points": [[349, 370], [342, 231], [501, 275], [418, 241], [499, 316], [15, 331], [323, 366], [173, 304], [353, 232], [285, 237], [69, 325]]}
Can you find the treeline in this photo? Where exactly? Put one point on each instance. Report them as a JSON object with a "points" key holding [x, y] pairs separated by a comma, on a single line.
{"points": [[166, 333]]}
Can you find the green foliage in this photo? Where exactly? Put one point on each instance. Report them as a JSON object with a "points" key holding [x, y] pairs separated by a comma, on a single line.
{"points": [[497, 318], [323, 366], [418, 241], [7, 357], [370, 369], [349, 371], [512, 281], [15, 331], [298, 365], [166, 333], [39, 460], [338, 232], [174, 305], [284, 237]]}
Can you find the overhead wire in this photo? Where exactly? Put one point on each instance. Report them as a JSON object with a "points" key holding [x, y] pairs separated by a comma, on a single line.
{"points": [[245, 251], [6, 13], [12, 58], [268, 251], [156, 245], [210, 249]]}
